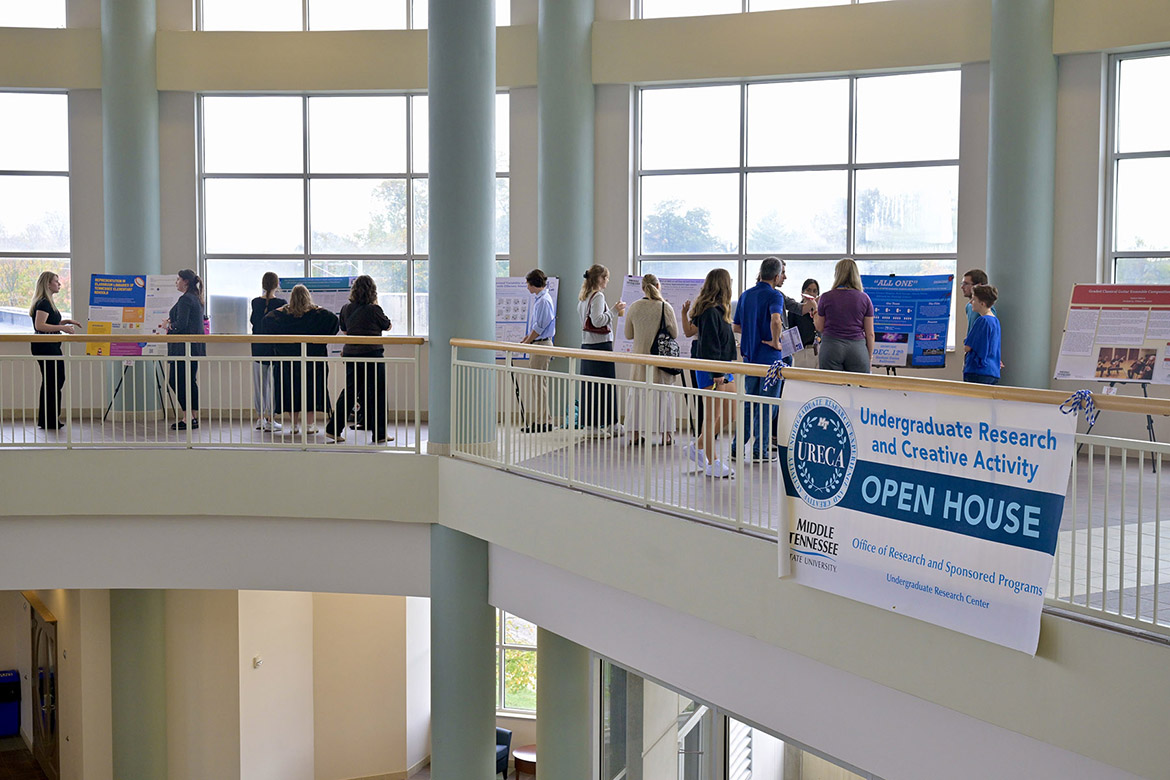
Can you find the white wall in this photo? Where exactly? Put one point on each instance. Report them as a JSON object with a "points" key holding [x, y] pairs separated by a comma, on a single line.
{"points": [[203, 684], [359, 685], [276, 699], [16, 651], [418, 681]]}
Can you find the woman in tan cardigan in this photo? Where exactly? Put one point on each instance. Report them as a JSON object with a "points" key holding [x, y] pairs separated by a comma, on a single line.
{"points": [[650, 415]]}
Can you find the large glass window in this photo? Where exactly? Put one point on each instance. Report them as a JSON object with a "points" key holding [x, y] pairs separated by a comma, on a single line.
{"points": [[515, 663], [34, 202], [323, 186], [658, 9], [810, 170], [322, 14], [1139, 251], [32, 13]]}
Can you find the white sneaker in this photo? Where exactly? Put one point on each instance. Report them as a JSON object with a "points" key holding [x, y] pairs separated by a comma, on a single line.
{"points": [[617, 429], [270, 425], [599, 433], [260, 424], [719, 469], [696, 454]]}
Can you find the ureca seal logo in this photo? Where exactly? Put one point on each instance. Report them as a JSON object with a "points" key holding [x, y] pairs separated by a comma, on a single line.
{"points": [[822, 452]]}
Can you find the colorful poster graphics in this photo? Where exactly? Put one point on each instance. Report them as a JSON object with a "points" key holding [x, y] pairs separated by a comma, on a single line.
{"points": [[514, 309], [129, 305], [676, 292], [911, 318], [1117, 333], [941, 508]]}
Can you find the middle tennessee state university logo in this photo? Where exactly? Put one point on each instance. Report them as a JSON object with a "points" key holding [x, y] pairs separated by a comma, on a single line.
{"points": [[822, 452]]}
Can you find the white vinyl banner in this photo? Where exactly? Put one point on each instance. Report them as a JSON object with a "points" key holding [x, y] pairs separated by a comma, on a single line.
{"points": [[942, 508]]}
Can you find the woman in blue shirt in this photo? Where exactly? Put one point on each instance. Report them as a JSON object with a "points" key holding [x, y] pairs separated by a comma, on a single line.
{"points": [[981, 364]]}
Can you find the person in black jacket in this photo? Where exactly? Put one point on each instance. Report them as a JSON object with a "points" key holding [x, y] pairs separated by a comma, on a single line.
{"points": [[365, 380], [300, 386], [709, 320], [186, 318], [262, 369], [47, 319]]}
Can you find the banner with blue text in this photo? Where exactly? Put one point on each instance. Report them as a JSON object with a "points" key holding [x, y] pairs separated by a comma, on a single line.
{"points": [[943, 508]]}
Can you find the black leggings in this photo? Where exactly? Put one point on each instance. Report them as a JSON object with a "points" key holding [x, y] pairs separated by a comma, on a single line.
{"points": [[365, 388], [177, 379], [49, 398]]}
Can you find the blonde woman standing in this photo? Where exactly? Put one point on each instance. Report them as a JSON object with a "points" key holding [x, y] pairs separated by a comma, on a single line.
{"points": [[599, 412], [47, 319], [655, 416], [844, 317]]}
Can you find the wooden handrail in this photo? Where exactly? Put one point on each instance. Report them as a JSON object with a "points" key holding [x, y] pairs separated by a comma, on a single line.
{"points": [[1118, 403], [87, 338]]}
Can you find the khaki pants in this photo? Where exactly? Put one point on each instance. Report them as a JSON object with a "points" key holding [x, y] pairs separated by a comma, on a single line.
{"points": [[536, 397]]}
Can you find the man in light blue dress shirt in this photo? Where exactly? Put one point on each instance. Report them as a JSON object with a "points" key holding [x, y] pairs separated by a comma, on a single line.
{"points": [[542, 328]]}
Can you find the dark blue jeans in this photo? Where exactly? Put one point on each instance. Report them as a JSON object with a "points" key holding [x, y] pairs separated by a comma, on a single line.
{"points": [[981, 379], [758, 423]]}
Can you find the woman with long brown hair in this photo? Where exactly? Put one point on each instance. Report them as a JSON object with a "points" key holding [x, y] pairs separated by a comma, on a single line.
{"points": [[186, 318], [47, 319], [709, 322], [365, 373], [262, 369], [599, 413]]}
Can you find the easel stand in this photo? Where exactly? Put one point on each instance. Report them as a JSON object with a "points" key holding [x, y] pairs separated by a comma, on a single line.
{"points": [[159, 382], [1149, 423]]}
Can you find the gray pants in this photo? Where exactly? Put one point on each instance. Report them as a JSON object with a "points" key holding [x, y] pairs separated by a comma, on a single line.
{"points": [[844, 355]]}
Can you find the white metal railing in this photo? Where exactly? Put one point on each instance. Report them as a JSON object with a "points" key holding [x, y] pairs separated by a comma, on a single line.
{"points": [[1113, 555], [135, 401]]}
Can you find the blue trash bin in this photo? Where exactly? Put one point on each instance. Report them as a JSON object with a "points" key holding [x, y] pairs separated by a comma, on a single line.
{"points": [[9, 703]]}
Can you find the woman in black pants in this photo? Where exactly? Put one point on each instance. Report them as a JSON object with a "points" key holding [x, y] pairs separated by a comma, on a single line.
{"points": [[598, 400], [365, 381], [186, 318], [46, 319]]}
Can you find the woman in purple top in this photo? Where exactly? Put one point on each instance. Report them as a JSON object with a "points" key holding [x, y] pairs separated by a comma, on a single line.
{"points": [[844, 316]]}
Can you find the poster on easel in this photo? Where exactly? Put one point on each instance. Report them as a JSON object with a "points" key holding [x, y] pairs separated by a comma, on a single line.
{"points": [[514, 309], [911, 317], [1117, 333], [129, 305], [676, 292]]}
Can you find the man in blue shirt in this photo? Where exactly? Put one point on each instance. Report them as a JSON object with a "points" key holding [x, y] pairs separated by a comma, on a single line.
{"points": [[761, 315], [975, 276], [542, 328]]}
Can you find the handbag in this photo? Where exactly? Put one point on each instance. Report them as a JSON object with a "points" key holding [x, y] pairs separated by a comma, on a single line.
{"points": [[664, 345], [589, 327]]}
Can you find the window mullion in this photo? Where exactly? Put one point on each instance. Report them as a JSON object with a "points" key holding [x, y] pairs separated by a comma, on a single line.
{"points": [[305, 182]]}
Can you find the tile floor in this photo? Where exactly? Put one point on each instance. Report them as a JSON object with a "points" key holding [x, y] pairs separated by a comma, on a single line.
{"points": [[16, 763]]}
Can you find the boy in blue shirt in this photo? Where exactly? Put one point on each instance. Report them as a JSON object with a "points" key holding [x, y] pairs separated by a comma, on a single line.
{"points": [[981, 363]]}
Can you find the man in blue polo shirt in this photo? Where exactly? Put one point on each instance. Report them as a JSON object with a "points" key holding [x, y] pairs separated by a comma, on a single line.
{"points": [[760, 317]]}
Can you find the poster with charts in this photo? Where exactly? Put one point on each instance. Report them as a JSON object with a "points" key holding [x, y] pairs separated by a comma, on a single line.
{"points": [[911, 316], [1116, 333], [676, 292], [514, 309], [129, 305], [945, 509]]}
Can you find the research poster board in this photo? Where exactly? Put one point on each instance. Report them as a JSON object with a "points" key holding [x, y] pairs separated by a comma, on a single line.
{"points": [[514, 309], [942, 508], [1117, 333], [129, 305], [676, 292], [911, 316]]}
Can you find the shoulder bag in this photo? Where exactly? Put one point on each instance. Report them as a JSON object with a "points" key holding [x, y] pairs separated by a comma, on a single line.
{"points": [[589, 327], [665, 345]]}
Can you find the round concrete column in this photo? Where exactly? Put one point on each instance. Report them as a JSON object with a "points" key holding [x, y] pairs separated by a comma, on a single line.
{"points": [[138, 676], [461, 84], [463, 707], [565, 153], [564, 708], [1020, 186], [130, 162]]}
